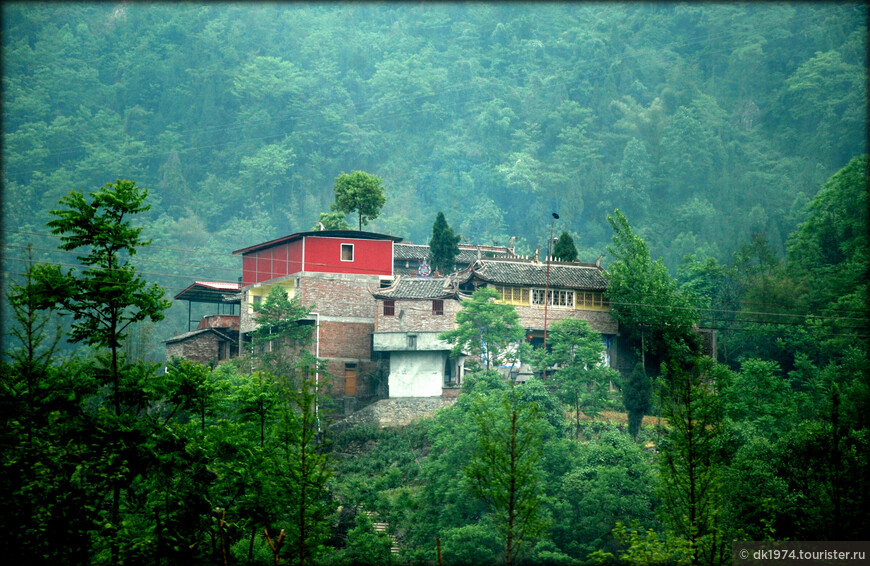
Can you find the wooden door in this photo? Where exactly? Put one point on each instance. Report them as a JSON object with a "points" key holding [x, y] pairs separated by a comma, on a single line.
{"points": [[350, 380]]}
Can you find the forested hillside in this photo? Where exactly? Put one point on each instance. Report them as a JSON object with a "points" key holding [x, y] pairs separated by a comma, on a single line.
{"points": [[704, 124], [716, 153]]}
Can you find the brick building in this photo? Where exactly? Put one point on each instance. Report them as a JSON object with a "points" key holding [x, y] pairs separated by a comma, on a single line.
{"points": [[412, 312], [216, 336], [409, 316], [331, 271], [378, 319]]}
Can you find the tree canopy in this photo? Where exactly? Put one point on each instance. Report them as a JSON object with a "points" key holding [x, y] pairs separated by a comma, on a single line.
{"points": [[359, 192]]}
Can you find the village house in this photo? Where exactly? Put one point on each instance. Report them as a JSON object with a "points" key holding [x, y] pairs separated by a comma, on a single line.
{"points": [[378, 311], [216, 336], [411, 314]]}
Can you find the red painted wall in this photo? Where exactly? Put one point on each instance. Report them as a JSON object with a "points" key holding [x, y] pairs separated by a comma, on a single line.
{"points": [[277, 261], [370, 257]]}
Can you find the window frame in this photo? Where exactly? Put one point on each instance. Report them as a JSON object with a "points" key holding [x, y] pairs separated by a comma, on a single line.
{"points": [[389, 307], [437, 307], [553, 298], [341, 252]]}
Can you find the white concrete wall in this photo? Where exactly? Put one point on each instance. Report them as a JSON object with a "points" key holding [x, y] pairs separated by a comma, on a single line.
{"points": [[417, 374]]}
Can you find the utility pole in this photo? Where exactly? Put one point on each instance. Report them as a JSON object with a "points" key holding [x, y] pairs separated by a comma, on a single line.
{"points": [[547, 288]]}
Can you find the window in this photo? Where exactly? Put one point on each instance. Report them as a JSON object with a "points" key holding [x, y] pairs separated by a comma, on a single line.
{"points": [[389, 308], [438, 307], [347, 252], [592, 300], [255, 300], [513, 295], [554, 298], [412, 341]]}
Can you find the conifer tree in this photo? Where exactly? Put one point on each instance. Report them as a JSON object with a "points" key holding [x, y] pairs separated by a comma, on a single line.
{"points": [[444, 246], [565, 250], [504, 470], [104, 299]]}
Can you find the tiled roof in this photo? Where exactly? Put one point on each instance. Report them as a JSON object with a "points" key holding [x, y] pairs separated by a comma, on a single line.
{"points": [[467, 253], [562, 275], [197, 332], [410, 288]]}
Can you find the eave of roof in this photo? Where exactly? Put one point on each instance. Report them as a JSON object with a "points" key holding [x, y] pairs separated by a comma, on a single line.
{"points": [[355, 234], [561, 275], [192, 333], [416, 289], [209, 292]]}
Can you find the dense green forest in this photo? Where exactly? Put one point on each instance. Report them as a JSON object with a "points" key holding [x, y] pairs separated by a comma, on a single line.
{"points": [[107, 460], [716, 153], [704, 124]]}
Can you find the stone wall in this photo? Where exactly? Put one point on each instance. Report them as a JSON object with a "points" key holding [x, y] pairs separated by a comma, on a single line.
{"points": [[395, 413], [203, 347]]}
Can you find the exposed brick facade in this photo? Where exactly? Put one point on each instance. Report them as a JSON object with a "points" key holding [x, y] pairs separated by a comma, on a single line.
{"points": [[345, 340], [416, 316], [334, 294], [600, 321]]}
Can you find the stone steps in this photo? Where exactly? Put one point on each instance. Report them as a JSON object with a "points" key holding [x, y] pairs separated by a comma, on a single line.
{"points": [[382, 527]]}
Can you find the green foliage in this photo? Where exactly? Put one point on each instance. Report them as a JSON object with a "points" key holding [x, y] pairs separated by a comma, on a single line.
{"points": [[646, 299], [306, 467], [109, 295], [504, 468], [565, 250], [760, 396], [444, 245], [333, 221], [279, 337], [691, 468], [829, 251], [472, 544], [359, 192], [610, 480], [365, 546], [582, 379], [710, 148], [637, 398], [485, 328], [644, 547]]}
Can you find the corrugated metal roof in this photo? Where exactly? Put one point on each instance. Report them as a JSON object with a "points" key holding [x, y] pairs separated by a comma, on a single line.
{"points": [[210, 292], [521, 273], [355, 234]]}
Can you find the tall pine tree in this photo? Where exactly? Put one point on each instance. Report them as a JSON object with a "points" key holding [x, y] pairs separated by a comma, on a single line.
{"points": [[444, 245], [565, 250]]}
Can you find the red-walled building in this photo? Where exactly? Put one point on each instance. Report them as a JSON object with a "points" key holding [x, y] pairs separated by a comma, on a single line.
{"points": [[331, 271], [350, 252]]}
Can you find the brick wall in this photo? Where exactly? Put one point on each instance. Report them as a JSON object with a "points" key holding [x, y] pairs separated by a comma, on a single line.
{"points": [[600, 321], [339, 295], [346, 340], [416, 316]]}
